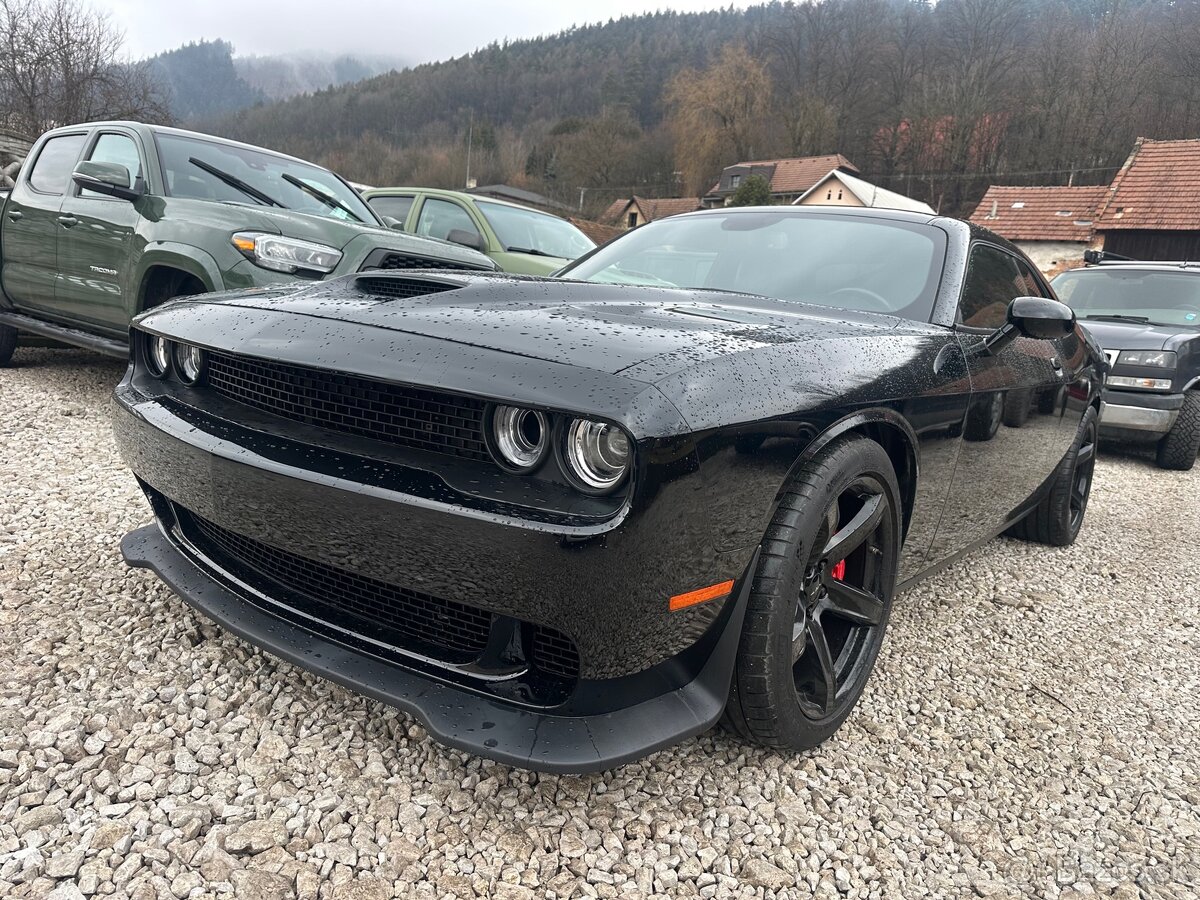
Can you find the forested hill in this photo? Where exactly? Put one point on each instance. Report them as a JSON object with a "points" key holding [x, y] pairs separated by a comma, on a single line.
{"points": [[575, 73], [936, 100]]}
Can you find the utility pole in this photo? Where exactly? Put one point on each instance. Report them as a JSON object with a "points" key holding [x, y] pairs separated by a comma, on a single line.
{"points": [[582, 191], [470, 138]]}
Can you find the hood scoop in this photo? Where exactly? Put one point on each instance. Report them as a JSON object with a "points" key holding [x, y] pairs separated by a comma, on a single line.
{"points": [[400, 287]]}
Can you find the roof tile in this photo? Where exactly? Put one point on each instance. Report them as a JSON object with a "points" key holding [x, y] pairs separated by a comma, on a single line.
{"points": [[1040, 213], [1158, 189]]}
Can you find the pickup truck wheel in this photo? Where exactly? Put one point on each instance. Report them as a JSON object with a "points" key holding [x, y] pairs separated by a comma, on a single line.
{"points": [[1178, 450], [820, 599], [8, 343], [1016, 407], [1057, 519]]}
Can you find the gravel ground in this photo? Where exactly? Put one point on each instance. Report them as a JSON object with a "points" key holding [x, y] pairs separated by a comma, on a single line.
{"points": [[1032, 729]]}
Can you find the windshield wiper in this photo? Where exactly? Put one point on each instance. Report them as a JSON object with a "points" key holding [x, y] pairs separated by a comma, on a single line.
{"points": [[328, 199], [1119, 317], [234, 182], [532, 252]]}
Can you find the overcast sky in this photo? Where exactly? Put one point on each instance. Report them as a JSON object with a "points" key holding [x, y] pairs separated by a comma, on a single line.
{"points": [[413, 31]]}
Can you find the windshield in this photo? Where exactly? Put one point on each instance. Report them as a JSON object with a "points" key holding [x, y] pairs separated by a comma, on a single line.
{"points": [[218, 168], [873, 265], [529, 231], [1160, 297]]}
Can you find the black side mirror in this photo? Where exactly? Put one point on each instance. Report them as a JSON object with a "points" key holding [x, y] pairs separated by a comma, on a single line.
{"points": [[110, 179], [1032, 317], [464, 237]]}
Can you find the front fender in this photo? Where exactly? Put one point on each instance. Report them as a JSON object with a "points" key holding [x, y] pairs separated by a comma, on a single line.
{"points": [[184, 257]]}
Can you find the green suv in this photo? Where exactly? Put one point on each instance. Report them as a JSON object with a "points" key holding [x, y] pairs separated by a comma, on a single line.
{"points": [[108, 219], [520, 240]]}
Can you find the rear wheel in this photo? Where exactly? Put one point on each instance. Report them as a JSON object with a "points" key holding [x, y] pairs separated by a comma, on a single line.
{"points": [[8, 344], [1178, 450], [1016, 407], [1057, 519], [819, 600]]}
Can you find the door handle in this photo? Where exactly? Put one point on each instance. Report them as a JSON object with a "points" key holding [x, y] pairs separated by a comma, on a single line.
{"points": [[68, 221], [14, 215]]}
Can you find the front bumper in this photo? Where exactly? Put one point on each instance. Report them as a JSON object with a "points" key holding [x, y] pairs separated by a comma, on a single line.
{"points": [[1131, 411], [533, 739], [646, 676]]}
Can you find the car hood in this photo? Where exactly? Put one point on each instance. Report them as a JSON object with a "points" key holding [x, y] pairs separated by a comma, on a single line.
{"points": [[608, 328], [1130, 335], [338, 233]]}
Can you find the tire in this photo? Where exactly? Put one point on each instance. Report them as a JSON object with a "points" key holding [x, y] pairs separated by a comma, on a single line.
{"points": [[1016, 407], [780, 693], [1058, 518], [983, 418], [8, 344], [1178, 450]]}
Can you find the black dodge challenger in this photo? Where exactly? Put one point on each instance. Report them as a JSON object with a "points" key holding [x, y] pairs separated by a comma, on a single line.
{"points": [[568, 521]]}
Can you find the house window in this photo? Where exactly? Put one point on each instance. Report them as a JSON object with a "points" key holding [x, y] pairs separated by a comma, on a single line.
{"points": [[735, 180], [632, 223], [839, 193], [829, 194]]}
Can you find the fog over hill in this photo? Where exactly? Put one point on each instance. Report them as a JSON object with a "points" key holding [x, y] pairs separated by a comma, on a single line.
{"points": [[207, 78]]}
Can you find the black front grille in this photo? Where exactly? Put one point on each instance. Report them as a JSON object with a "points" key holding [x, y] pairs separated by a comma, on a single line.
{"points": [[554, 652], [409, 620], [394, 288], [397, 616], [406, 261], [411, 417]]}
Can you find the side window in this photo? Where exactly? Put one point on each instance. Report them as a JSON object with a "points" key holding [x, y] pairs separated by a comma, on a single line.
{"points": [[396, 207], [439, 217], [1028, 281], [52, 172], [991, 284], [120, 149]]}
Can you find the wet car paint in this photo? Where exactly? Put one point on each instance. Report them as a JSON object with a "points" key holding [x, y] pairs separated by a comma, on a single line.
{"points": [[723, 395]]}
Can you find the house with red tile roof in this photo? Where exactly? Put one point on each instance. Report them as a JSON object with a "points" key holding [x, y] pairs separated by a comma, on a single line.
{"points": [[789, 178], [1053, 225], [1152, 209], [635, 210]]}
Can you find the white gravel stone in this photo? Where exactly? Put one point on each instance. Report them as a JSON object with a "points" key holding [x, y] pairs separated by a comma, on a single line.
{"points": [[1031, 729]]}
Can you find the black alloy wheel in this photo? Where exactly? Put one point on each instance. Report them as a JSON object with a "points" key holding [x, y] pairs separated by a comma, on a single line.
{"points": [[840, 607], [820, 598]]}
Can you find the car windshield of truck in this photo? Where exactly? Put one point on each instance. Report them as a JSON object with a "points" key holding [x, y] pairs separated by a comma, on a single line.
{"points": [[529, 231], [872, 265], [1150, 296], [209, 170]]}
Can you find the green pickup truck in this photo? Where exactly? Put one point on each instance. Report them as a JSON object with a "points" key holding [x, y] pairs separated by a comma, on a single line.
{"points": [[108, 219]]}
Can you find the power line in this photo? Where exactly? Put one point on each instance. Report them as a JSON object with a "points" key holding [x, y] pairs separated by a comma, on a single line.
{"points": [[921, 175]]}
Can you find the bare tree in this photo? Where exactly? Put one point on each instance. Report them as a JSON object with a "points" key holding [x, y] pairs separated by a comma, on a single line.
{"points": [[60, 63], [719, 115]]}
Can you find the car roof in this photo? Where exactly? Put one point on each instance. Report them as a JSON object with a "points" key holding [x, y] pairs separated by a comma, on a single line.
{"points": [[1191, 268], [459, 195], [182, 132]]}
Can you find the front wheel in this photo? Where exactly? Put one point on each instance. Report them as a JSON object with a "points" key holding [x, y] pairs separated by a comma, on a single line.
{"points": [[8, 344], [1178, 450], [819, 600]]}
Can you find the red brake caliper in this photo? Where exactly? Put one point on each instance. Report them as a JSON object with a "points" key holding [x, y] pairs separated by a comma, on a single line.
{"points": [[839, 571]]}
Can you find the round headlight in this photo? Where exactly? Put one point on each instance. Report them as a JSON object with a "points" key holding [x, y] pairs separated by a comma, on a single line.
{"points": [[597, 454], [158, 356], [519, 438], [190, 363]]}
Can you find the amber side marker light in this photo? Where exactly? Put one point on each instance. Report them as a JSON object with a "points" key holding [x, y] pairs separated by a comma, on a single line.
{"points": [[691, 598]]}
